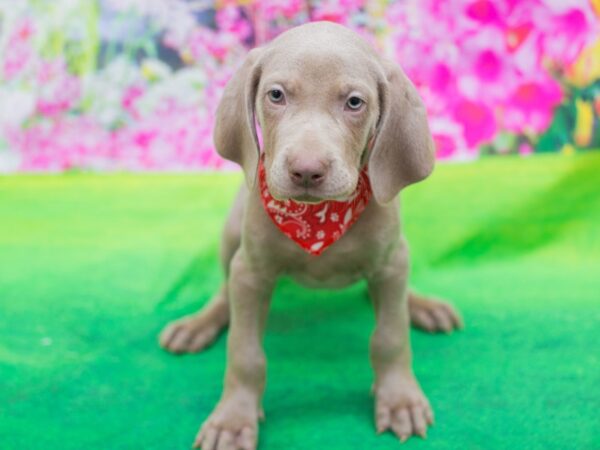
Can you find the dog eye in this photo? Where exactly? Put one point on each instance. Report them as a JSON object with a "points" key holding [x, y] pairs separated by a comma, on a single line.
{"points": [[354, 103], [276, 95]]}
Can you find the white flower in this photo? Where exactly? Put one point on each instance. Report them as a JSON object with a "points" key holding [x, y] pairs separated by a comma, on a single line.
{"points": [[320, 234], [16, 105], [334, 217]]}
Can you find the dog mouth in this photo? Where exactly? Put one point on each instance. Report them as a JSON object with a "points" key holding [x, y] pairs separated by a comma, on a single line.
{"points": [[314, 197], [299, 197], [310, 195], [308, 198]]}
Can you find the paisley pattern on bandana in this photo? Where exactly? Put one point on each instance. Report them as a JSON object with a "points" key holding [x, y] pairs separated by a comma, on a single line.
{"points": [[314, 227]]}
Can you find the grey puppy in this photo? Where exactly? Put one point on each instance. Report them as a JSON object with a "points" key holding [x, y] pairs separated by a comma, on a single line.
{"points": [[327, 105]]}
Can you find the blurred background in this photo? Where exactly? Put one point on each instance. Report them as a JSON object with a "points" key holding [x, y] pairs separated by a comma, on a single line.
{"points": [[96, 259], [133, 84]]}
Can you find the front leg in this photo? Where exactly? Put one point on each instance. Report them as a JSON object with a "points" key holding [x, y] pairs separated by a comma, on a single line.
{"points": [[233, 424], [399, 401]]}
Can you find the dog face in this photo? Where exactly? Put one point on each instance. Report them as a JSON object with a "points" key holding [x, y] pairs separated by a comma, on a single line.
{"points": [[317, 110], [322, 98]]}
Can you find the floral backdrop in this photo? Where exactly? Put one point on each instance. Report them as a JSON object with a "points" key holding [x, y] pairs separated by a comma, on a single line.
{"points": [[133, 84]]}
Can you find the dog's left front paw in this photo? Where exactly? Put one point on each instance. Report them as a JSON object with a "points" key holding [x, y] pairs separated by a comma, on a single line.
{"points": [[233, 425], [401, 406]]}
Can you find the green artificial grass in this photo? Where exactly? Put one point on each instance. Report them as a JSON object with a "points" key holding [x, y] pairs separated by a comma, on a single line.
{"points": [[92, 267]]}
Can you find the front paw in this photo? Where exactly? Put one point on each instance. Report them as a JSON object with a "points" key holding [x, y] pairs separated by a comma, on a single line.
{"points": [[233, 425], [401, 406]]}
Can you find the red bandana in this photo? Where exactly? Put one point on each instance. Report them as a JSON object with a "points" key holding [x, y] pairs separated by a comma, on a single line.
{"points": [[314, 227]]}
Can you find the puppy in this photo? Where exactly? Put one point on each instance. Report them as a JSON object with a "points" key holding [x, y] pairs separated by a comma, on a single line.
{"points": [[343, 132]]}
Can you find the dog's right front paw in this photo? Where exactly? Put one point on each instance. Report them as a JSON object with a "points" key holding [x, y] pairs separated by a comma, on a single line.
{"points": [[231, 426]]}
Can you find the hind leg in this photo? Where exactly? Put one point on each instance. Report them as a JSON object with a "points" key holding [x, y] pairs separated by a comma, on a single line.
{"points": [[197, 331], [432, 315]]}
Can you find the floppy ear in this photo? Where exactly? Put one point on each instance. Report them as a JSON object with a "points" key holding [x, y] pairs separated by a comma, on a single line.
{"points": [[403, 151], [235, 131]]}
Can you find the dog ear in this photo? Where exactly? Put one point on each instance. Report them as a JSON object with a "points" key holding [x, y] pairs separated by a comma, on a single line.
{"points": [[403, 151], [235, 131]]}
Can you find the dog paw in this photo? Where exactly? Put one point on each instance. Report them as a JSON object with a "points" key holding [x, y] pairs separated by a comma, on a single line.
{"points": [[401, 406], [433, 316], [189, 334], [231, 426]]}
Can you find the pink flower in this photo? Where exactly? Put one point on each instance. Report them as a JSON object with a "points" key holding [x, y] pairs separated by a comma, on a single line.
{"points": [[488, 66], [59, 95], [440, 78], [230, 20], [566, 36], [16, 60], [445, 146], [130, 96], [525, 149], [477, 120], [18, 50], [337, 11], [144, 138], [24, 31], [530, 106], [516, 35], [483, 11], [330, 12], [274, 9]]}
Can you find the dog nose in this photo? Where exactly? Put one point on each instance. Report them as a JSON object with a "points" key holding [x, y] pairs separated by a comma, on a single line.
{"points": [[307, 174]]}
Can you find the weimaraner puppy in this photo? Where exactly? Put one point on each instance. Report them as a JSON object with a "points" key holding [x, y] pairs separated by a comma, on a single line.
{"points": [[330, 111]]}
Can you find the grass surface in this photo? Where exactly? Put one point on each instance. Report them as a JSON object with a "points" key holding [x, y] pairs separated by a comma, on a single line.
{"points": [[92, 267]]}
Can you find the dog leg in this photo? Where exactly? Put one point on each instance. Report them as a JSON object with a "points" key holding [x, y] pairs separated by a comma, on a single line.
{"points": [[234, 422], [400, 404], [432, 315]]}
